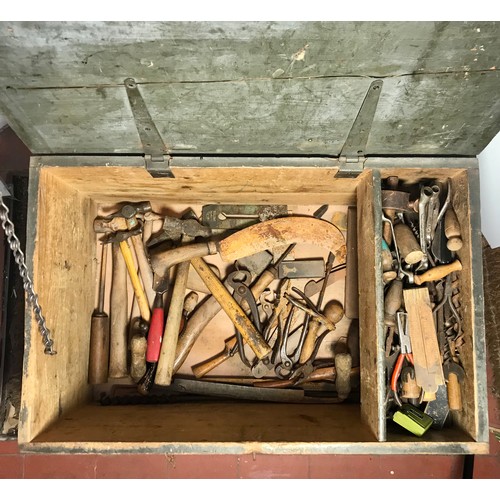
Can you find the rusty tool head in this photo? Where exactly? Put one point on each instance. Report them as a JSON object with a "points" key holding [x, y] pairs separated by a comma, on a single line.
{"points": [[395, 199], [119, 236], [452, 367], [124, 219], [175, 228]]}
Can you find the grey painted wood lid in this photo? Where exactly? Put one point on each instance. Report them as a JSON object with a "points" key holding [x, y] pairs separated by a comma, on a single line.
{"points": [[278, 88]]}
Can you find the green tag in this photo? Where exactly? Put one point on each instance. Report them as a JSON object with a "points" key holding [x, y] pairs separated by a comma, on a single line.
{"points": [[413, 419]]}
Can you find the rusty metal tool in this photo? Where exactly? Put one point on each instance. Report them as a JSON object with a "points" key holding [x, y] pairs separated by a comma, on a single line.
{"points": [[405, 353], [174, 228], [304, 268], [239, 281], [453, 371], [283, 369], [268, 235], [314, 323], [99, 332], [235, 217]]}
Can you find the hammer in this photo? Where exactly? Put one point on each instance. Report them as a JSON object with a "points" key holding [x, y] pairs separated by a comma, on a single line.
{"points": [[127, 219]]}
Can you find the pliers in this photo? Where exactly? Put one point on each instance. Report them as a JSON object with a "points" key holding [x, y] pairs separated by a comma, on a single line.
{"points": [[405, 353]]}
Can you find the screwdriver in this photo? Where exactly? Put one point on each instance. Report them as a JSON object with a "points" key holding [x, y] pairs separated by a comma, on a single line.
{"points": [[99, 333]]}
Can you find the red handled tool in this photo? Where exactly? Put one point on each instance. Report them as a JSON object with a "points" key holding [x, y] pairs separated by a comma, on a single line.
{"points": [[155, 330]]}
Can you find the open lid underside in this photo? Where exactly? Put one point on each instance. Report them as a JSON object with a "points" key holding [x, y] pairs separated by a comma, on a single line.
{"points": [[231, 88]]}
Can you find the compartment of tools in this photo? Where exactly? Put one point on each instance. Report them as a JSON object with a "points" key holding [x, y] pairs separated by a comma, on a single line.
{"points": [[262, 310], [232, 310], [429, 339]]}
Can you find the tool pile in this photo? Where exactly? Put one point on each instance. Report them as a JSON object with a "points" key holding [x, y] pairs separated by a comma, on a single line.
{"points": [[424, 337], [278, 330]]}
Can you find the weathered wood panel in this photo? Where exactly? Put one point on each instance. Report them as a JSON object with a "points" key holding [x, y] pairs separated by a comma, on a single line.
{"points": [[287, 88], [61, 54]]}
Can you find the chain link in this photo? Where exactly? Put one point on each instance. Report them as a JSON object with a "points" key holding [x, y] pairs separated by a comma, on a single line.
{"points": [[31, 296]]}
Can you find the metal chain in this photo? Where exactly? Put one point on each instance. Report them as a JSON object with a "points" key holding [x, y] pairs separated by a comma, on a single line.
{"points": [[31, 296]]}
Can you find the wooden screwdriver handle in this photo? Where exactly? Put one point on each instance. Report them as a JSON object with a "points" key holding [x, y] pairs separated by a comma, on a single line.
{"points": [[201, 369], [248, 331], [454, 392], [438, 272]]}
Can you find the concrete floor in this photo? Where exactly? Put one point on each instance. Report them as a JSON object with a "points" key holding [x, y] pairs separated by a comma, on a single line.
{"points": [[14, 464]]}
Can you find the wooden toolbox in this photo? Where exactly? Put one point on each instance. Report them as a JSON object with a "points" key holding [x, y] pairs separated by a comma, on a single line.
{"points": [[185, 115]]}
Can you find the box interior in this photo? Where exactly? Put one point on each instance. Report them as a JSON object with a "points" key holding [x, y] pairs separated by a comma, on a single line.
{"points": [[59, 410]]}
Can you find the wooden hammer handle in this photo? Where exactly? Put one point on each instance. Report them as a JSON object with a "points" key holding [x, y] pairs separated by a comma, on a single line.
{"points": [[248, 331], [200, 318], [119, 316], [142, 300], [438, 272], [144, 267], [163, 261], [165, 367]]}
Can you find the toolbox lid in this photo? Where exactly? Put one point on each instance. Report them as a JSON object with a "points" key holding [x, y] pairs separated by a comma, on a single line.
{"points": [[252, 88]]}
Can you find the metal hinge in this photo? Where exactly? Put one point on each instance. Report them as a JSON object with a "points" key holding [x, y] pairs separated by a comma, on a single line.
{"points": [[352, 156], [156, 152]]}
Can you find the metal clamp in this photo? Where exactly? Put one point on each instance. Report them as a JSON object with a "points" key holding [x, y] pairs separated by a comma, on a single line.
{"points": [[156, 152]]}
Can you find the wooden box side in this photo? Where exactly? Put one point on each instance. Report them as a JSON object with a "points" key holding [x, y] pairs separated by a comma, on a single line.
{"points": [[62, 253], [371, 303]]}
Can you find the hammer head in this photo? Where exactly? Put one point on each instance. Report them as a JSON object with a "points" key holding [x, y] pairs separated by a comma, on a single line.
{"points": [[132, 209]]}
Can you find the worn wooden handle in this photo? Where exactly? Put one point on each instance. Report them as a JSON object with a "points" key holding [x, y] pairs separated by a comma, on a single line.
{"points": [[343, 365], [207, 366], [438, 272], [248, 331], [165, 368], [142, 300], [310, 340], [200, 318], [138, 346], [407, 244], [119, 316], [454, 392], [392, 302], [452, 230], [144, 268], [99, 349]]}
